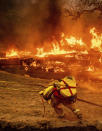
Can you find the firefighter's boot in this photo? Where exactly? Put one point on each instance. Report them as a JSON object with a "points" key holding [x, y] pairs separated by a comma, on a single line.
{"points": [[78, 114]]}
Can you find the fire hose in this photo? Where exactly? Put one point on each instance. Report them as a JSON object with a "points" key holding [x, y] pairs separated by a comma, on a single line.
{"points": [[85, 101], [89, 102]]}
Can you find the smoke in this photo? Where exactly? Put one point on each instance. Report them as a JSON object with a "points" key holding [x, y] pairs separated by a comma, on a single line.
{"points": [[80, 16], [89, 85], [28, 24]]}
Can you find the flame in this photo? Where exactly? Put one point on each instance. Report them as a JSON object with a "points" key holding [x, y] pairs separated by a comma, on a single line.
{"points": [[71, 44], [66, 46], [59, 50], [96, 40], [12, 53], [15, 53], [55, 51], [91, 69], [72, 41], [73, 49]]}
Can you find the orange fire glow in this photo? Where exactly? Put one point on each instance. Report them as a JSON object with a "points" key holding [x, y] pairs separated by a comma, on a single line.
{"points": [[75, 49], [15, 53], [55, 51], [12, 53], [96, 40], [72, 41], [65, 46], [59, 48]]}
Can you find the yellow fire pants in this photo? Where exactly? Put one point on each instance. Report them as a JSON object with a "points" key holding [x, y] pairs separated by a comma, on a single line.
{"points": [[55, 103]]}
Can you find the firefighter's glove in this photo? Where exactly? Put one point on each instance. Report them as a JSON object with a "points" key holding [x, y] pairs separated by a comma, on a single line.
{"points": [[56, 86], [76, 111], [41, 93], [49, 101]]}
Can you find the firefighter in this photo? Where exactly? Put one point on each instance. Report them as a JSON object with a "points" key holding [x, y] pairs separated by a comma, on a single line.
{"points": [[64, 92]]}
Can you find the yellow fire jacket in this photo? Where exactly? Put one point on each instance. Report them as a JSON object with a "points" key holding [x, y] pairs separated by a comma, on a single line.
{"points": [[65, 87]]}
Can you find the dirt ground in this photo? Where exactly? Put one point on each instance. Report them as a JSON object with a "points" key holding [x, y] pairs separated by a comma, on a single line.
{"points": [[21, 106]]}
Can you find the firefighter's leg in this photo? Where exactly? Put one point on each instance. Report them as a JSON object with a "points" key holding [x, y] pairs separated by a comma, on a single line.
{"points": [[76, 111], [59, 111], [56, 105]]}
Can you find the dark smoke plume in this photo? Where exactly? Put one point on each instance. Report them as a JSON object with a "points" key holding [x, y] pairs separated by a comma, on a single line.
{"points": [[78, 7], [81, 15], [27, 24]]}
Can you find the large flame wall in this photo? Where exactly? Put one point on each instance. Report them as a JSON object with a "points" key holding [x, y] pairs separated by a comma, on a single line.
{"points": [[31, 24]]}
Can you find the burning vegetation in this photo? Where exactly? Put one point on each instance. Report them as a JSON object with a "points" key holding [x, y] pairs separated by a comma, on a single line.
{"points": [[49, 39], [65, 46], [69, 55], [52, 37]]}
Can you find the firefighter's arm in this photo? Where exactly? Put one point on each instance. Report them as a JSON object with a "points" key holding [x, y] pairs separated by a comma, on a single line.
{"points": [[47, 93], [41, 93]]}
